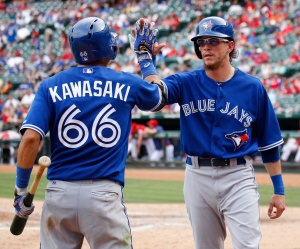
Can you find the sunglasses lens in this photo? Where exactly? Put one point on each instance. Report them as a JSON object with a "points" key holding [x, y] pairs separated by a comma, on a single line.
{"points": [[201, 42], [213, 41]]}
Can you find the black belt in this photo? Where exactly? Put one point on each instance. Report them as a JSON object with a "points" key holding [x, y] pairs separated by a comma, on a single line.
{"points": [[215, 162]]}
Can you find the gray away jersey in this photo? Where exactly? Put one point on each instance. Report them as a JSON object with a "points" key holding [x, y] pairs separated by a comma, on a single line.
{"points": [[88, 113]]}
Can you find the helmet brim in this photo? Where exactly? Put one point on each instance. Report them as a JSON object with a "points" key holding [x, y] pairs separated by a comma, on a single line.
{"points": [[212, 34]]}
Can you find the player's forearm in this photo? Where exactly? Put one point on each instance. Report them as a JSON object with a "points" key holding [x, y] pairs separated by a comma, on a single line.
{"points": [[150, 131], [139, 141], [28, 148], [153, 78], [274, 168]]}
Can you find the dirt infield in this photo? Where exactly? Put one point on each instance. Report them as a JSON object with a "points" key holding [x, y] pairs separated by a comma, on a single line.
{"points": [[161, 226]]}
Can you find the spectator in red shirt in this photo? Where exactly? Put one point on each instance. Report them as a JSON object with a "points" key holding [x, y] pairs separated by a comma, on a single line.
{"points": [[286, 87], [2, 5], [67, 55], [296, 83], [289, 27], [172, 21], [293, 58], [255, 22], [134, 146], [243, 38], [276, 81], [259, 56], [280, 38], [172, 51], [250, 6]]}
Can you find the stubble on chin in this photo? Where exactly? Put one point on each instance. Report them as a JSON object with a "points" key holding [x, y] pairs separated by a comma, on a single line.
{"points": [[211, 67]]}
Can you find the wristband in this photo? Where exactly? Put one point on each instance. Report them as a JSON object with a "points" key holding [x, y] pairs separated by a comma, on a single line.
{"points": [[22, 177], [154, 60], [147, 68], [278, 184]]}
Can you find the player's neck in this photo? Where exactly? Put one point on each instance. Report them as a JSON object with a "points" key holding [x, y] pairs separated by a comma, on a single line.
{"points": [[103, 62], [219, 74]]}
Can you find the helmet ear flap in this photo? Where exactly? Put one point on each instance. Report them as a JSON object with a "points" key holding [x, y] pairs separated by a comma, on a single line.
{"points": [[197, 50]]}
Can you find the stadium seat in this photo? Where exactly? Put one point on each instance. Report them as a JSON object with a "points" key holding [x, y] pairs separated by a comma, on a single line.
{"points": [[225, 6], [171, 60]]}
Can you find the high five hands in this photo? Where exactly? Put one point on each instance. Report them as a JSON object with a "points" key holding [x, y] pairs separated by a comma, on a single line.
{"points": [[143, 39]]}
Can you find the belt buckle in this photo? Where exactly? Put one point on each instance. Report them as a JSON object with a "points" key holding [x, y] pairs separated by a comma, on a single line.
{"points": [[212, 164]]}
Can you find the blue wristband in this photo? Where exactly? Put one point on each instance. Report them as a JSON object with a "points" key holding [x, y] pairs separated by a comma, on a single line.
{"points": [[147, 68], [154, 60], [22, 177], [278, 184]]}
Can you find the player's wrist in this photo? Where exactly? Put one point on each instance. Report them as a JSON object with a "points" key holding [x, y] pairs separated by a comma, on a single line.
{"points": [[278, 184], [20, 191], [147, 68], [22, 176]]}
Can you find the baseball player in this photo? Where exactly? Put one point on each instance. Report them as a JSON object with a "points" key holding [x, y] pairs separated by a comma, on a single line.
{"points": [[225, 118], [87, 110], [135, 144], [157, 154], [291, 145]]}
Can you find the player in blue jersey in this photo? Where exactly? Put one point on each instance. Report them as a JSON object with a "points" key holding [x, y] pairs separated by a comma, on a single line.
{"points": [[226, 117], [87, 110]]}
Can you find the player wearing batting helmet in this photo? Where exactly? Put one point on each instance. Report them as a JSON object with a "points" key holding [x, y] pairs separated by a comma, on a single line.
{"points": [[87, 110], [226, 117]]}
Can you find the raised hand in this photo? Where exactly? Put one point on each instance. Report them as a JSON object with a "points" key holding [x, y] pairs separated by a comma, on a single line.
{"points": [[143, 38]]}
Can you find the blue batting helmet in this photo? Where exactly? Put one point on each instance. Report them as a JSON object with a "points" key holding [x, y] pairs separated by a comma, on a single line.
{"points": [[90, 40], [212, 26]]}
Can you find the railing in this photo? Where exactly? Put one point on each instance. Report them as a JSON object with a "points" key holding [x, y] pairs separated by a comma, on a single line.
{"points": [[165, 135], [169, 134]]}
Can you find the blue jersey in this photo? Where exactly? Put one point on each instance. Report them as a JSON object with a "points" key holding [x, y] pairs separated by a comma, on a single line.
{"points": [[87, 111], [227, 120]]}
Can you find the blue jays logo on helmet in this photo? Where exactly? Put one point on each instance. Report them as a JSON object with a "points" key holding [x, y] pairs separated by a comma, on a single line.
{"points": [[207, 25], [212, 26], [90, 40], [238, 138]]}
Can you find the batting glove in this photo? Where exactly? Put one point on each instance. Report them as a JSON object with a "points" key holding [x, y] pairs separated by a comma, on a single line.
{"points": [[142, 44], [21, 210]]}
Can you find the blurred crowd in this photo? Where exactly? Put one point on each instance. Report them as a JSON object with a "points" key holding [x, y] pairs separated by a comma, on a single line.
{"points": [[34, 43], [49, 51]]}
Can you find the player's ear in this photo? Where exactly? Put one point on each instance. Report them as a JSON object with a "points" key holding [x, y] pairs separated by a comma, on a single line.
{"points": [[231, 45]]}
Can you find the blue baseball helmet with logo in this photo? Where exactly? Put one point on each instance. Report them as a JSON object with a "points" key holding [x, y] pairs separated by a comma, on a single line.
{"points": [[90, 40], [212, 26]]}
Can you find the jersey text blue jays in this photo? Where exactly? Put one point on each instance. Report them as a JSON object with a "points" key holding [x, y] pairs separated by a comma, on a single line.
{"points": [[208, 105]]}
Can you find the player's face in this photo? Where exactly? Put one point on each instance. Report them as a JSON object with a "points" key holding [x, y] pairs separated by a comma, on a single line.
{"points": [[214, 51]]}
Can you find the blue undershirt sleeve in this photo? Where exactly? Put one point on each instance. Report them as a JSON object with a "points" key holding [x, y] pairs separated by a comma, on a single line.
{"points": [[271, 155]]}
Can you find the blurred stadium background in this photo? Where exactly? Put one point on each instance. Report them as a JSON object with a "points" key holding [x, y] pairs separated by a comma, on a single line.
{"points": [[33, 46]]}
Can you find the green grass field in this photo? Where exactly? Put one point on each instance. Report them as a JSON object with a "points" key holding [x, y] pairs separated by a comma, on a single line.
{"points": [[150, 191]]}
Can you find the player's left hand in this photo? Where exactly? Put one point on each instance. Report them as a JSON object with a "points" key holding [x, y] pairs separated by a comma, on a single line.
{"points": [[21, 210], [143, 39], [277, 206]]}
